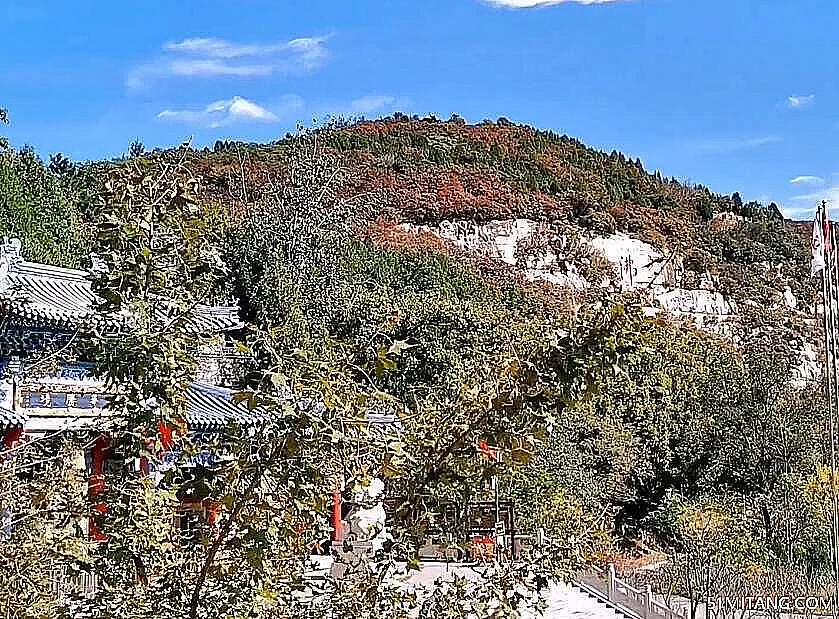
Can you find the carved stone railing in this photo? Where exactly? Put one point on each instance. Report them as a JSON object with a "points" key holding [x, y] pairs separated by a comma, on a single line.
{"points": [[630, 601], [64, 584]]}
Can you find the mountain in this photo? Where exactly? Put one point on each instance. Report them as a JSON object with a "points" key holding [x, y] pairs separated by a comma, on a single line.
{"points": [[432, 261], [554, 210]]}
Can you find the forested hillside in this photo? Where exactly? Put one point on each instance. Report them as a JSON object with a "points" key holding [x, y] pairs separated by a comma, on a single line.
{"points": [[698, 444]]}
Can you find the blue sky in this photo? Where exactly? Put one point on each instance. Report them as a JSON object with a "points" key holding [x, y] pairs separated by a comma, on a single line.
{"points": [[739, 95]]}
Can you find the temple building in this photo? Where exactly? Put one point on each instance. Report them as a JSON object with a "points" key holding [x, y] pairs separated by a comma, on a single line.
{"points": [[42, 308], [47, 384]]}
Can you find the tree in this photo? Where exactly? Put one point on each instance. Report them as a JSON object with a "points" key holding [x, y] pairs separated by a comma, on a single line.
{"points": [[652, 429], [777, 446], [273, 481], [136, 149], [60, 165], [716, 547], [42, 508], [40, 209], [4, 119]]}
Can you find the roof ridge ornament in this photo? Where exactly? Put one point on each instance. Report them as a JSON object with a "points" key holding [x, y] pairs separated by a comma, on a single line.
{"points": [[11, 248], [98, 267], [10, 258]]}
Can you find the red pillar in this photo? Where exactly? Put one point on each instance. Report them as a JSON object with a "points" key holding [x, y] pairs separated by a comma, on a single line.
{"points": [[213, 511], [166, 436], [337, 522], [96, 486], [13, 437]]}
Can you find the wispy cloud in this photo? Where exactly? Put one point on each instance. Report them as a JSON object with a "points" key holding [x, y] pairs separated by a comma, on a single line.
{"points": [[230, 111], [803, 206], [371, 103], [211, 57], [732, 145], [212, 68], [807, 180], [831, 194], [310, 52], [798, 213], [532, 4], [797, 102], [219, 48]]}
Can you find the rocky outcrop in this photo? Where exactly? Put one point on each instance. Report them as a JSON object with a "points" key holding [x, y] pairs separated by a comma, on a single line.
{"points": [[523, 243], [564, 257], [543, 253], [809, 368]]}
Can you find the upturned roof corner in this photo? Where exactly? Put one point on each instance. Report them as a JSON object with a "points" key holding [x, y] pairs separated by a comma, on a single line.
{"points": [[64, 297]]}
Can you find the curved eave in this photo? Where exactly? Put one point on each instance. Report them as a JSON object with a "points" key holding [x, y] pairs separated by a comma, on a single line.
{"points": [[11, 420]]}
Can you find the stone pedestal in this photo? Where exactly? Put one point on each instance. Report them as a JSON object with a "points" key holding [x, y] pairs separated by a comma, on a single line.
{"points": [[365, 535]]}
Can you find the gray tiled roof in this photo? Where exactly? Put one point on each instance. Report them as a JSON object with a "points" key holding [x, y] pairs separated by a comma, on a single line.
{"points": [[212, 408], [64, 297], [9, 419], [208, 409]]}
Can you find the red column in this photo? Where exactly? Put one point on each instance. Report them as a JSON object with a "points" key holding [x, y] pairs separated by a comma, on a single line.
{"points": [[96, 485], [166, 438], [12, 438], [337, 522], [213, 511]]}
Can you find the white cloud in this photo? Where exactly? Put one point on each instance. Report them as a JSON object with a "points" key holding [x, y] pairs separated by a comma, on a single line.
{"points": [[831, 194], [211, 68], [807, 180], [723, 146], [229, 111], [219, 48], [211, 57], [531, 4], [801, 101], [798, 213], [371, 103], [804, 206], [310, 51]]}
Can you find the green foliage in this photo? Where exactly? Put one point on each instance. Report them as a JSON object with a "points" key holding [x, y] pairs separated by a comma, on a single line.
{"points": [[604, 192], [37, 207], [136, 149], [345, 324], [286, 251], [43, 499], [718, 550], [157, 261], [690, 416], [605, 420], [60, 165], [651, 428]]}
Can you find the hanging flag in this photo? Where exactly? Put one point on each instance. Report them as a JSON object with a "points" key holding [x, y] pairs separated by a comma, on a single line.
{"points": [[828, 238], [818, 243], [491, 453]]}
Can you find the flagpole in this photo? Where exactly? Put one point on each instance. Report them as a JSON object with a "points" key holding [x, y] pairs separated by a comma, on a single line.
{"points": [[829, 318]]}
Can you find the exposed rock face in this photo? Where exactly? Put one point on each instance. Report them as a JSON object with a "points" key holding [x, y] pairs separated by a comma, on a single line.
{"points": [[536, 250], [544, 253], [643, 267], [522, 243], [639, 264], [789, 299]]}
